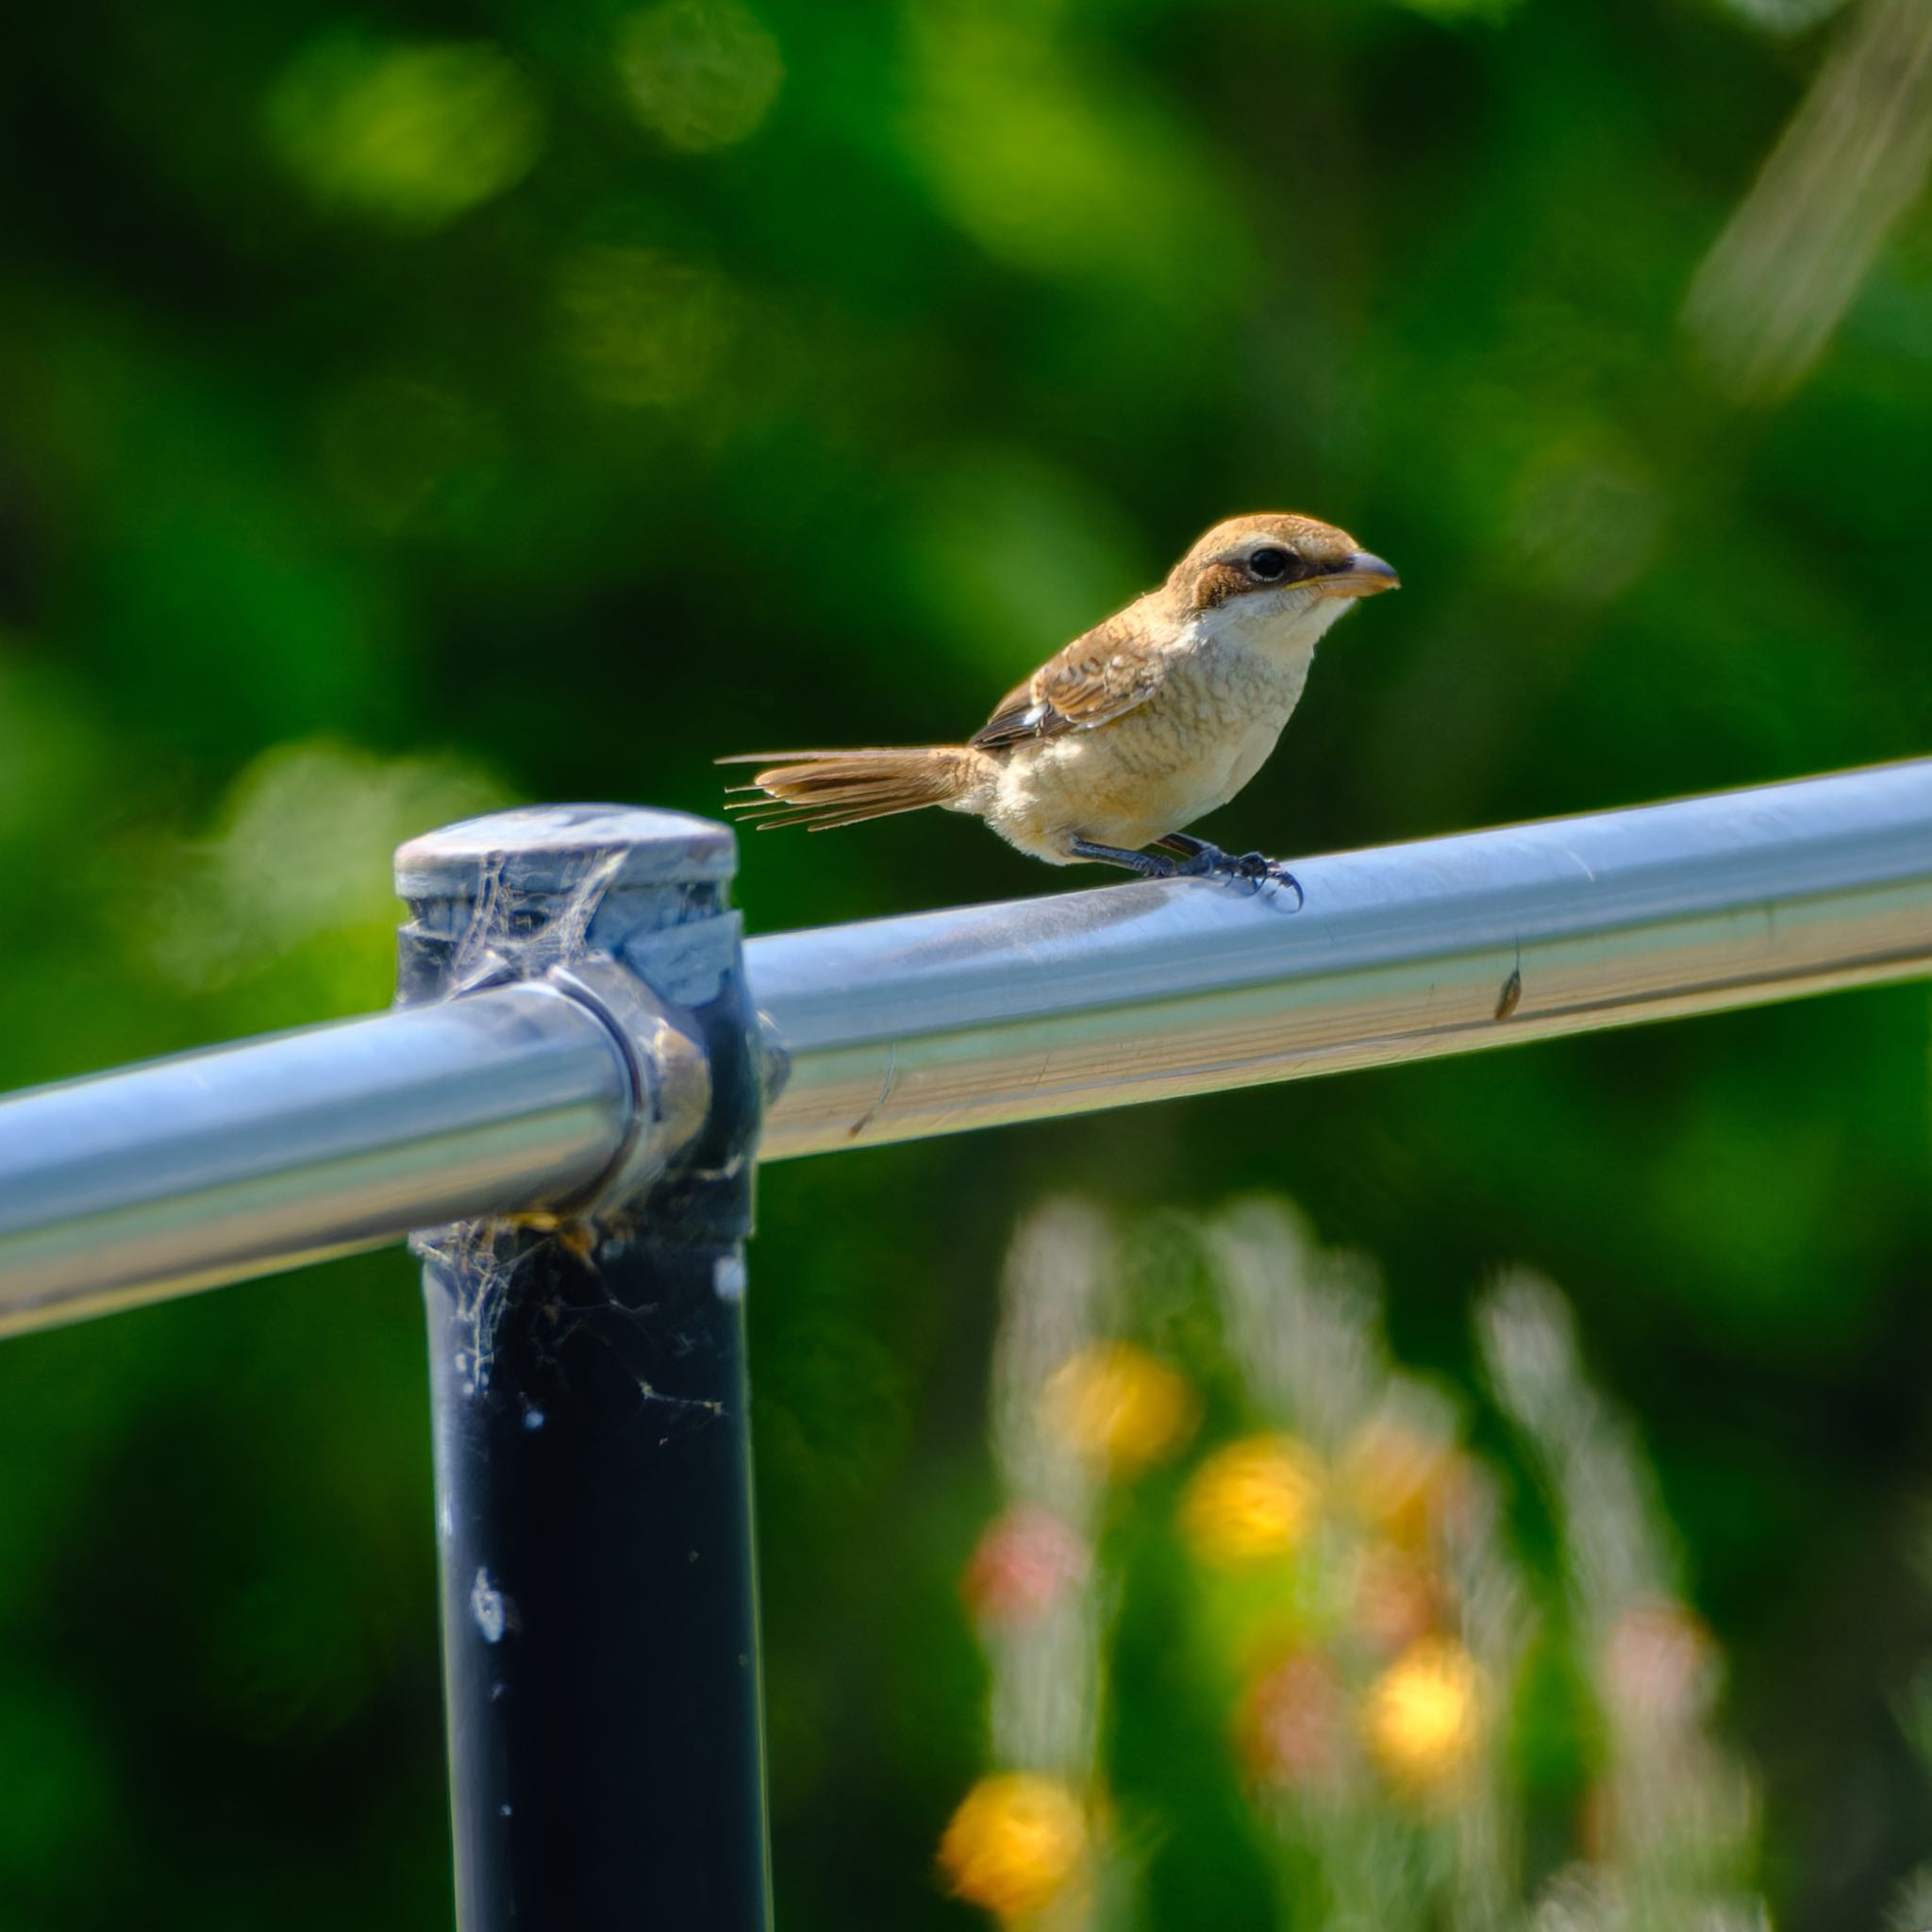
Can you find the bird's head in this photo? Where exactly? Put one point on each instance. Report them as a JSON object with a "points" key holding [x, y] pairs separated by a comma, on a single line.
{"points": [[1279, 569]]}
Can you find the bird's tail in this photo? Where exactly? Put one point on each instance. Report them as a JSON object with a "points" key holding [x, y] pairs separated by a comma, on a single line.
{"points": [[823, 789]]}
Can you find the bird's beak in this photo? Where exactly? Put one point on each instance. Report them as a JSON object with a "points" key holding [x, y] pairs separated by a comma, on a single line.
{"points": [[1360, 575]]}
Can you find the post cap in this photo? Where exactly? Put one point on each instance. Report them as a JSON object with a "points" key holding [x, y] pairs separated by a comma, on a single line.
{"points": [[542, 848]]}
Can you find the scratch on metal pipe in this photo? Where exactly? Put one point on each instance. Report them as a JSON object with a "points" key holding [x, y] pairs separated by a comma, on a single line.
{"points": [[872, 1113]]}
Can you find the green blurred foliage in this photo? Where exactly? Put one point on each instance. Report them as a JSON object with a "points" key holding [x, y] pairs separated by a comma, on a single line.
{"points": [[406, 411], [413, 134]]}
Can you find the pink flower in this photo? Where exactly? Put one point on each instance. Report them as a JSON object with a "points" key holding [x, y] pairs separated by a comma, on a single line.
{"points": [[1027, 1562], [1293, 1723]]}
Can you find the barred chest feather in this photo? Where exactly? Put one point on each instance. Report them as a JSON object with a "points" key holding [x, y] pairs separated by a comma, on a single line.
{"points": [[1212, 726], [1196, 743]]}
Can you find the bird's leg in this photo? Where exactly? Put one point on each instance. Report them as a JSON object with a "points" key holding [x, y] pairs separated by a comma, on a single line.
{"points": [[1150, 865], [1199, 860], [1190, 847]]}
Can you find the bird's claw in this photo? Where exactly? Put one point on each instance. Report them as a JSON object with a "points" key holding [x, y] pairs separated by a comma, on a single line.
{"points": [[1254, 870], [1264, 871]]}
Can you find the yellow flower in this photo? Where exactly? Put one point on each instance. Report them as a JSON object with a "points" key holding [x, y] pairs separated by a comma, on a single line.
{"points": [[1421, 1720], [1113, 1405], [1251, 1501], [1015, 1844]]}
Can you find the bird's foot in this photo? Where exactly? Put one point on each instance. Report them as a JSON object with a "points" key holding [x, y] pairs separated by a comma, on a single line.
{"points": [[1199, 860], [1196, 859]]}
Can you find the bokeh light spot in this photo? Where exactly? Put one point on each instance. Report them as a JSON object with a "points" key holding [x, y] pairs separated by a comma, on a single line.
{"points": [[1421, 1720], [1254, 1500], [1027, 1563], [1117, 1407], [701, 74], [641, 326], [1057, 163], [412, 134], [297, 862], [1292, 1725], [1014, 1845]]}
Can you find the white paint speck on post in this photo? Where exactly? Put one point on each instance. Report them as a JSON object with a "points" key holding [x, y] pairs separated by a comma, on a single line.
{"points": [[487, 1606]]}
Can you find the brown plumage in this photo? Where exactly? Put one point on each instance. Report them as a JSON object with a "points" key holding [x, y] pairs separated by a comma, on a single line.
{"points": [[1143, 723], [823, 789]]}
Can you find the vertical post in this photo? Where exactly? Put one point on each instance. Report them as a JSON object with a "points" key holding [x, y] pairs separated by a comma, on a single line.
{"points": [[593, 1456]]}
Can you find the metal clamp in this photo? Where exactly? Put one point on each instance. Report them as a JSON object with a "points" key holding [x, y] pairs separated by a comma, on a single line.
{"points": [[668, 1077]]}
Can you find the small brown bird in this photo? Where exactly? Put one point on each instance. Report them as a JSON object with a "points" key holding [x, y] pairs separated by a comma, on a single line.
{"points": [[1135, 730]]}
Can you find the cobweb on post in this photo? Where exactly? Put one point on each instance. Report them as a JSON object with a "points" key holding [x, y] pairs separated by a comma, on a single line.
{"points": [[514, 936]]}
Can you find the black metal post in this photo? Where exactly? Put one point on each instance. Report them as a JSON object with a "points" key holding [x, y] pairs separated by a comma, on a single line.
{"points": [[593, 1475]]}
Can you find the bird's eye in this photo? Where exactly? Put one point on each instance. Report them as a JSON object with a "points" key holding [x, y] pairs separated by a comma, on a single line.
{"points": [[1271, 565]]}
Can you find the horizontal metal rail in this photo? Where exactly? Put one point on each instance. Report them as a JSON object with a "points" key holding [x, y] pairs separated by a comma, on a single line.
{"points": [[195, 1170], [899, 1028], [210, 1166]]}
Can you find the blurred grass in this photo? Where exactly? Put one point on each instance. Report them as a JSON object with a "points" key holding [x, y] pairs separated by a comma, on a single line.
{"points": [[406, 411]]}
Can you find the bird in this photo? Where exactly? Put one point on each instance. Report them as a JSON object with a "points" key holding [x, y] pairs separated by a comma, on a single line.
{"points": [[1146, 723]]}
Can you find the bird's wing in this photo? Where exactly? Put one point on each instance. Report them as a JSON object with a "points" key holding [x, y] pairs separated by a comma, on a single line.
{"points": [[1092, 681]]}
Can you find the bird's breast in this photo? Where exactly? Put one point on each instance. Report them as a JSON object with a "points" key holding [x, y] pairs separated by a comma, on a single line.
{"points": [[1227, 709], [1188, 749]]}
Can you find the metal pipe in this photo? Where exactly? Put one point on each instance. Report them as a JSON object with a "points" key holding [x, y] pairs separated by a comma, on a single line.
{"points": [[132, 1185], [191, 1171], [899, 1028], [591, 1421]]}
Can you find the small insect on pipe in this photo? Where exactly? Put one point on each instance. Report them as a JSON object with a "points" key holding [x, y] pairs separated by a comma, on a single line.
{"points": [[1511, 996]]}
